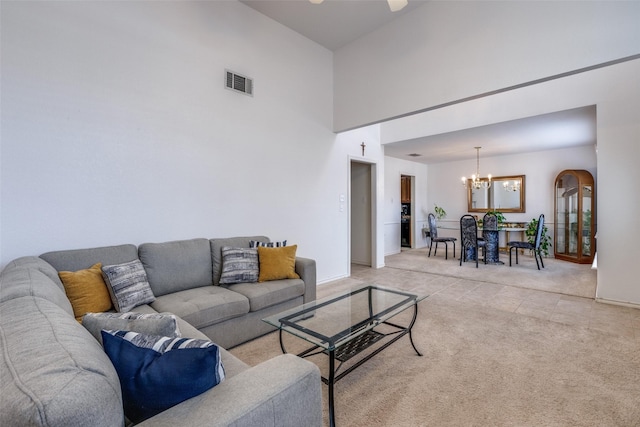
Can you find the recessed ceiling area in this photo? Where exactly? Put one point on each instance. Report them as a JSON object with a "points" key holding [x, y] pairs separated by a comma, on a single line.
{"points": [[563, 129]]}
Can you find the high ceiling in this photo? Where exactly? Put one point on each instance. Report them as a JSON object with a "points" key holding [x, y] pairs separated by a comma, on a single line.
{"points": [[335, 23]]}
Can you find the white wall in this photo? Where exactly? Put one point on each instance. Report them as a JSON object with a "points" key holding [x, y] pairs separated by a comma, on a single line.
{"points": [[450, 50], [540, 169], [394, 169], [614, 91], [116, 128], [348, 147]]}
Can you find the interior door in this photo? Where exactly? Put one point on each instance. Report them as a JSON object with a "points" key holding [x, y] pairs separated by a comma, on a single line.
{"points": [[361, 213]]}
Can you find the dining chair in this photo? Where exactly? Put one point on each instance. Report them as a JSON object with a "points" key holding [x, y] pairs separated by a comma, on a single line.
{"points": [[535, 246], [489, 221], [433, 232], [470, 240]]}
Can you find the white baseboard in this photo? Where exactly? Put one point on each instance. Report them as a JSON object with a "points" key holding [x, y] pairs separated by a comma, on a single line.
{"points": [[615, 302]]}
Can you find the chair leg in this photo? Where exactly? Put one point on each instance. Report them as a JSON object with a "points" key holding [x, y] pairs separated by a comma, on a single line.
{"points": [[536, 255], [430, 244], [454, 249], [435, 252], [477, 255], [540, 255], [516, 255], [446, 250]]}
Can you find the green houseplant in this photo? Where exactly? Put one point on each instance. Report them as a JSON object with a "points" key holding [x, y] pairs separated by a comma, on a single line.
{"points": [[499, 216], [440, 212], [545, 240]]}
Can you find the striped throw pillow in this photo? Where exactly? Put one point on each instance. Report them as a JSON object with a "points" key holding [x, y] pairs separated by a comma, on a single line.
{"points": [[239, 265], [128, 285], [256, 244]]}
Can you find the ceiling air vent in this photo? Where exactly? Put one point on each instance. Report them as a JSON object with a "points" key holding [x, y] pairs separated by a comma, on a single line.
{"points": [[239, 83]]}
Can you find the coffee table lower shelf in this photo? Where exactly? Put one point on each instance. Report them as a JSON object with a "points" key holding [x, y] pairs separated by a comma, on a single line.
{"points": [[358, 345]]}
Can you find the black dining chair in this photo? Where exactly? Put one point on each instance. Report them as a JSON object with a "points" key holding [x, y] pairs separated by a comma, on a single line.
{"points": [[535, 246], [469, 239], [489, 222], [433, 232]]}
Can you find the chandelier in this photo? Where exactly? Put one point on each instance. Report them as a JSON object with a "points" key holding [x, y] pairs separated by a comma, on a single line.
{"points": [[394, 5], [508, 186], [476, 182]]}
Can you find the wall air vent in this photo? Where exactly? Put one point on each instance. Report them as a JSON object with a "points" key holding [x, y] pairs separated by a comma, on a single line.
{"points": [[239, 83]]}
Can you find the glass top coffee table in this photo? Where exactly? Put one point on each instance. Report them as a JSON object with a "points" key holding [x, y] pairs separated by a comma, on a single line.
{"points": [[344, 326]]}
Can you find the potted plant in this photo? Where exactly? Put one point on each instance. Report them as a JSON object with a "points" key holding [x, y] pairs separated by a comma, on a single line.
{"points": [[545, 240], [440, 212]]}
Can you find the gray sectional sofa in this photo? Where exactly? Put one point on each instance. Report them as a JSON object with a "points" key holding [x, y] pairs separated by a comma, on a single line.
{"points": [[55, 373]]}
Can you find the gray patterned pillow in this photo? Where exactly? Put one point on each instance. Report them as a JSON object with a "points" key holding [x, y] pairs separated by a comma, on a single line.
{"points": [[164, 324], [128, 285], [256, 243], [239, 265]]}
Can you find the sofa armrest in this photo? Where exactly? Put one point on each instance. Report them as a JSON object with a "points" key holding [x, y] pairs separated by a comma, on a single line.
{"points": [[281, 392], [306, 269]]}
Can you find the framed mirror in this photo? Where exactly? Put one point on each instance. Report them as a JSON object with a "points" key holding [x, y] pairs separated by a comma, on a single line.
{"points": [[506, 194]]}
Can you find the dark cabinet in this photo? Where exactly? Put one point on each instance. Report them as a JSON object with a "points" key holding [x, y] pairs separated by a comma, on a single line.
{"points": [[575, 216], [405, 189]]}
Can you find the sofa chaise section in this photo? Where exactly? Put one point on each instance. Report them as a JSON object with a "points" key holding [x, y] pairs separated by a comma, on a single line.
{"points": [[55, 373]]}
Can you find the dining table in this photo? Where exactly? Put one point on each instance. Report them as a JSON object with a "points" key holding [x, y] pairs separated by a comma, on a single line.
{"points": [[492, 239]]}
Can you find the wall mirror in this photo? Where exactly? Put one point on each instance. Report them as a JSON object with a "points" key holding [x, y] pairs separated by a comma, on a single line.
{"points": [[506, 194]]}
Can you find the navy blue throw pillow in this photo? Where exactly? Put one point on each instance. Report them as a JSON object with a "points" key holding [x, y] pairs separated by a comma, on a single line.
{"points": [[157, 373]]}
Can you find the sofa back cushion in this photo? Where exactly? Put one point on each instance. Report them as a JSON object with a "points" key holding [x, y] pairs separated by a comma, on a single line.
{"points": [[52, 371], [79, 259], [232, 242], [32, 276], [177, 266], [36, 263]]}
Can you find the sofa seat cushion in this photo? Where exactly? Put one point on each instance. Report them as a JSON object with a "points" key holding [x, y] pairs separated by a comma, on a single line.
{"points": [[203, 306], [232, 365], [52, 371], [266, 294]]}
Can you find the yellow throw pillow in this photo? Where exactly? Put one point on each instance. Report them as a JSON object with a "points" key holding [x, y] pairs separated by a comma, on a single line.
{"points": [[277, 263], [86, 291]]}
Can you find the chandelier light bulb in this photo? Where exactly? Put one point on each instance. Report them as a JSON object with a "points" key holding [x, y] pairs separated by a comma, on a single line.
{"points": [[476, 182]]}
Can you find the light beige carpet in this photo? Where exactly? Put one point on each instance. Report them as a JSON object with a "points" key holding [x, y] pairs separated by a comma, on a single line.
{"points": [[481, 366], [557, 276]]}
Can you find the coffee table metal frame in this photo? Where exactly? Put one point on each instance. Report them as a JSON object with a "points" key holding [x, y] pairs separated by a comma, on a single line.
{"points": [[355, 338]]}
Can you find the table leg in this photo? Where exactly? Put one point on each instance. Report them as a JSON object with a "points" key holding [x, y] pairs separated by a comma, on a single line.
{"points": [[332, 368], [415, 315]]}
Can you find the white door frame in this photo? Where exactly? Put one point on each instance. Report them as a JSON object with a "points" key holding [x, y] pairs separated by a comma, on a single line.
{"points": [[374, 213]]}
